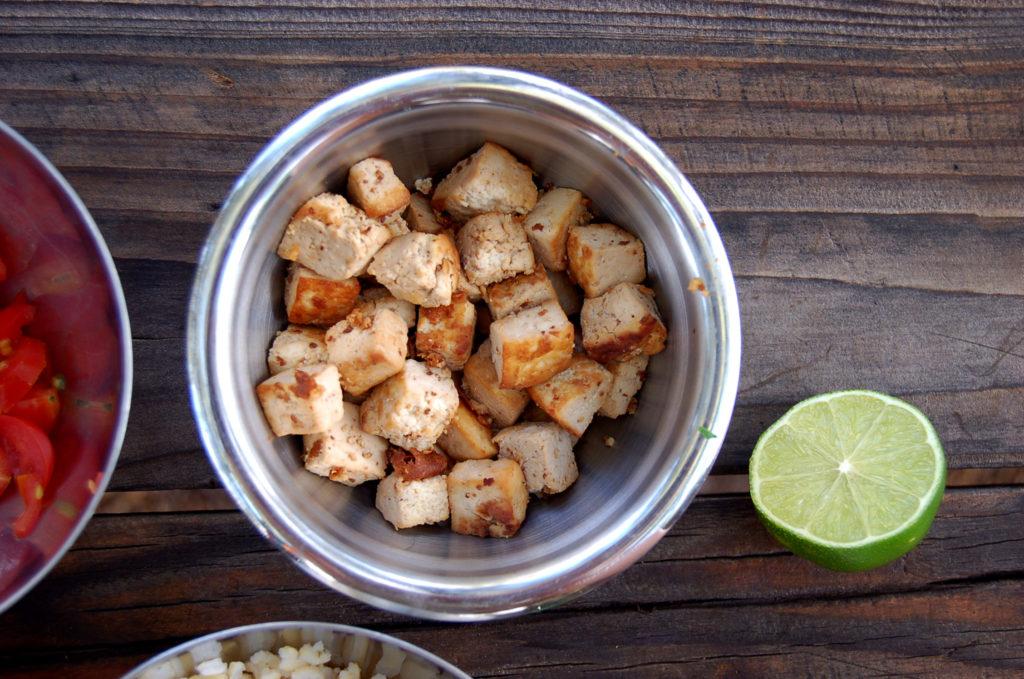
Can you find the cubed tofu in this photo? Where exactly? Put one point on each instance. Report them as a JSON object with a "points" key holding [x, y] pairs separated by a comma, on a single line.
{"points": [[568, 293], [467, 436], [421, 268], [395, 224], [373, 299], [312, 299], [603, 255], [531, 345], [627, 377], [420, 216], [332, 237], [519, 292], [297, 345], [487, 497], [302, 400], [367, 349], [411, 409], [345, 453], [547, 225], [480, 382], [490, 180], [573, 396], [444, 334], [407, 503], [493, 247], [622, 321], [544, 451], [373, 186]]}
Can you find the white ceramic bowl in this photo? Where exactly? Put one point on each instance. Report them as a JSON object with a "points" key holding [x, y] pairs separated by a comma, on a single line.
{"points": [[627, 496]]}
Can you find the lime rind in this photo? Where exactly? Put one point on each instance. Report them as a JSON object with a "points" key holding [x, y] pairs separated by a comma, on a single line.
{"points": [[792, 465]]}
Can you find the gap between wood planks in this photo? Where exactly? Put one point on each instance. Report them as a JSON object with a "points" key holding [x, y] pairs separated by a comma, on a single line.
{"points": [[217, 499]]}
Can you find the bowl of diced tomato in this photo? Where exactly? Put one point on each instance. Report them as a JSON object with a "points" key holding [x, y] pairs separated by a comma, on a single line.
{"points": [[65, 366]]}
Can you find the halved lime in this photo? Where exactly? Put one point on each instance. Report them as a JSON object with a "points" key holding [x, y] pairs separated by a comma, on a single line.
{"points": [[850, 480]]}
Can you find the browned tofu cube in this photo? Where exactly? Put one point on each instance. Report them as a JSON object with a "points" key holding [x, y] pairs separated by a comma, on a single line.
{"points": [[493, 247], [332, 237], [622, 321], [367, 349], [302, 400], [371, 300], [531, 345], [490, 180], [297, 345], [544, 451], [547, 225], [312, 299], [480, 382], [627, 377], [373, 186], [421, 268], [568, 293], [519, 292], [411, 409], [345, 453], [444, 334], [413, 502], [468, 436], [573, 396], [487, 498], [420, 216], [602, 256]]}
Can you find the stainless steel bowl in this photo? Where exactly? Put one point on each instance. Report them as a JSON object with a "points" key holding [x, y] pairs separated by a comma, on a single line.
{"points": [[371, 650], [628, 494]]}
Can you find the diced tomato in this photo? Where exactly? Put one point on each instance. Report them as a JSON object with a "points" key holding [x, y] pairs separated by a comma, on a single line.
{"points": [[13, 318], [20, 370], [3, 270], [40, 406], [32, 494], [5, 473], [27, 447]]}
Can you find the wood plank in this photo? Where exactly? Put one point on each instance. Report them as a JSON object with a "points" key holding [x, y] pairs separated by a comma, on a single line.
{"points": [[141, 583]]}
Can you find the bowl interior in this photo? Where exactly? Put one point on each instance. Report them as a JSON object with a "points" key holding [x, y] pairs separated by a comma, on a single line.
{"points": [[55, 254], [636, 472]]}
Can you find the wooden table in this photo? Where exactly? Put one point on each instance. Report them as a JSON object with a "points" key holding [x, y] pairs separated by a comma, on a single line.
{"points": [[864, 163]]}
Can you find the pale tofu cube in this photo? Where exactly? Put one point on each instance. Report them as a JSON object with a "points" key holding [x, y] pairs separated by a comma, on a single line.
{"points": [[547, 225], [371, 300], [531, 345], [302, 400], [373, 186], [627, 377], [568, 293], [444, 334], [493, 247], [490, 180], [411, 409], [297, 345], [395, 224], [480, 382], [519, 292], [345, 453], [544, 451], [420, 216], [421, 268], [312, 299], [367, 349], [621, 322], [332, 237], [487, 497], [467, 436], [602, 255], [407, 503], [573, 396]]}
